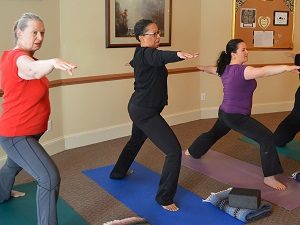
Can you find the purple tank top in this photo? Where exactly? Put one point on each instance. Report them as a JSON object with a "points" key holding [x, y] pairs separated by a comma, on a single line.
{"points": [[237, 91]]}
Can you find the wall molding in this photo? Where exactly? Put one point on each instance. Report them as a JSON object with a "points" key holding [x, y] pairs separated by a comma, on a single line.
{"points": [[272, 107], [121, 76], [109, 77], [212, 112], [54, 146]]}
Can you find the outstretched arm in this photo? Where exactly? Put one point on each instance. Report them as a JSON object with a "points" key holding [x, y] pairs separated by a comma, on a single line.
{"points": [[257, 72], [155, 57], [185, 55], [30, 69], [208, 69]]}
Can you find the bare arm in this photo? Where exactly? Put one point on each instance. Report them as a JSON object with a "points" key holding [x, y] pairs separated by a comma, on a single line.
{"points": [[29, 69], [208, 69], [257, 72]]}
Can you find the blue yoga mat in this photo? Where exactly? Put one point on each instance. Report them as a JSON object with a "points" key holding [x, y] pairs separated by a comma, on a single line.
{"points": [[291, 150], [22, 210], [138, 191]]}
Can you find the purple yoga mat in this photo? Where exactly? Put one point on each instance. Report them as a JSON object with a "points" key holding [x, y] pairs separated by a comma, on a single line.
{"points": [[237, 173]]}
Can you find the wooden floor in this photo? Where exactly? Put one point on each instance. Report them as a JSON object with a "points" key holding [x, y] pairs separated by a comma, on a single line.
{"points": [[97, 206]]}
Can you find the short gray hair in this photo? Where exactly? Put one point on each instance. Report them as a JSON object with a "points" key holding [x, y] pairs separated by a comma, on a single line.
{"points": [[22, 22]]}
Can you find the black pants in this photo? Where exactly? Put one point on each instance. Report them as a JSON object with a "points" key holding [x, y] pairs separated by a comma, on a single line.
{"points": [[250, 128], [147, 122], [290, 126]]}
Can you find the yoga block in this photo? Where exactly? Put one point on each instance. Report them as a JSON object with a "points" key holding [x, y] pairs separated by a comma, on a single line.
{"points": [[244, 198]]}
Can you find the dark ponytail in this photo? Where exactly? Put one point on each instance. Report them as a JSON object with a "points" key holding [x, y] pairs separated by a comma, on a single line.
{"points": [[222, 62], [225, 56]]}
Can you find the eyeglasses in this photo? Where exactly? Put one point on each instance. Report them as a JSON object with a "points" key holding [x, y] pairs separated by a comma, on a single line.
{"points": [[154, 34]]}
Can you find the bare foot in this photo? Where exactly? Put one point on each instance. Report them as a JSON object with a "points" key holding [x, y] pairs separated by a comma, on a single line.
{"points": [[172, 207], [272, 182], [16, 194], [187, 152]]}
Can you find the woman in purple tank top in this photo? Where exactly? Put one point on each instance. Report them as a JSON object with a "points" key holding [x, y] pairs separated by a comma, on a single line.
{"points": [[235, 111]]}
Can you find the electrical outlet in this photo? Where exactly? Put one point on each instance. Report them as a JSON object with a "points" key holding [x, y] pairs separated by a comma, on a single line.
{"points": [[203, 96]]}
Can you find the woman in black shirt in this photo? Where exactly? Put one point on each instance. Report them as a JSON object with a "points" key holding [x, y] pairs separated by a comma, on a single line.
{"points": [[146, 103]]}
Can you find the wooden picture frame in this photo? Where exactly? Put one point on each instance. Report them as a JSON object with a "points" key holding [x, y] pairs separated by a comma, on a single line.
{"points": [[121, 15]]}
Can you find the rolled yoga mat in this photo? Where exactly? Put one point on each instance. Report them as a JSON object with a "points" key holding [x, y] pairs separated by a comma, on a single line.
{"points": [[291, 150], [22, 210], [237, 173], [138, 191]]}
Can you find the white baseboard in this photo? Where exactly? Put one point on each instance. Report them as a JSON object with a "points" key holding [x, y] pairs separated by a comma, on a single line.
{"points": [[108, 133], [183, 117], [272, 107], [208, 113], [122, 130], [212, 112], [97, 135], [54, 146]]}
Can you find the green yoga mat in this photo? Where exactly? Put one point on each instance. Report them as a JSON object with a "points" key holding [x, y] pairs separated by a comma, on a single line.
{"points": [[22, 210], [291, 150]]}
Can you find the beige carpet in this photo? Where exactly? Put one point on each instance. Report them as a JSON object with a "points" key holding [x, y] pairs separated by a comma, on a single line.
{"points": [[98, 207]]}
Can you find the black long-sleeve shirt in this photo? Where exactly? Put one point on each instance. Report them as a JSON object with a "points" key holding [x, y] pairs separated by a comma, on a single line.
{"points": [[151, 76]]}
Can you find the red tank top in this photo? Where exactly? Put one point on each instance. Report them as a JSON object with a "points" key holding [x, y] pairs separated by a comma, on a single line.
{"points": [[25, 103]]}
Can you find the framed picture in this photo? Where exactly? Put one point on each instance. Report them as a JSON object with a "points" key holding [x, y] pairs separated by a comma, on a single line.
{"points": [[248, 18], [281, 18], [121, 16]]}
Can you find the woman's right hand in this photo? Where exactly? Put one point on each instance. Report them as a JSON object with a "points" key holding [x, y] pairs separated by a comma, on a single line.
{"points": [[293, 68], [208, 69]]}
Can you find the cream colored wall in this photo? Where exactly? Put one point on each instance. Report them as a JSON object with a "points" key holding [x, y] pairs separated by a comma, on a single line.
{"points": [[102, 105], [273, 93], [10, 11], [76, 31]]}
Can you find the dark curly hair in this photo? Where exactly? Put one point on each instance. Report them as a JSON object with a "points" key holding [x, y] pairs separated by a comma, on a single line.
{"points": [[140, 26]]}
